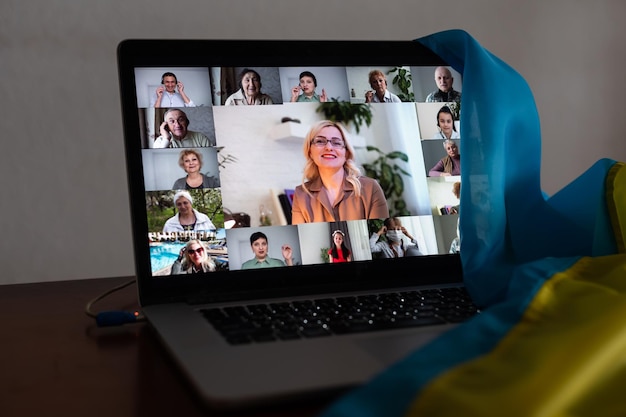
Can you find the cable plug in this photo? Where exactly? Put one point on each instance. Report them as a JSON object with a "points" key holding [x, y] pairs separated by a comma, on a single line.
{"points": [[115, 318]]}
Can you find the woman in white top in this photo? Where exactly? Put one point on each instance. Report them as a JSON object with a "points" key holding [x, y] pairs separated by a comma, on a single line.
{"points": [[249, 93], [188, 218], [379, 94]]}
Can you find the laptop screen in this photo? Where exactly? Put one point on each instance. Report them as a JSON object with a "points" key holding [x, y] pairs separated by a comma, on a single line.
{"points": [[269, 166]]}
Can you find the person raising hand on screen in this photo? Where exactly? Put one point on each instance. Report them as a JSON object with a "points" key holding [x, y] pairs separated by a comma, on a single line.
{"points": [[307, 86], [171, 93]]}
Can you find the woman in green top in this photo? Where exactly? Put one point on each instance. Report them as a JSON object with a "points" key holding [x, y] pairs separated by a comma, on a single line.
{"points": [[258, 243], [307, 86]]}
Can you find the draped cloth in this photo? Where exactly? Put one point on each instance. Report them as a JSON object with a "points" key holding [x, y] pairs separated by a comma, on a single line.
{"points": [[549, 273]]}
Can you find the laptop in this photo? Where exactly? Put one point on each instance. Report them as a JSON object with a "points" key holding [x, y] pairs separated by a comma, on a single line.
{"points": [[239, 271]]}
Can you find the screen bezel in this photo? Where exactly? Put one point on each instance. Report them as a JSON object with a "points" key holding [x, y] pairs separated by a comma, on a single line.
{"points": [[300, 280]]}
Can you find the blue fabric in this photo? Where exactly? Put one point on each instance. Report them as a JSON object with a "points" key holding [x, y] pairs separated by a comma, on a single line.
{"points": [[514, 237], [505, 217]]}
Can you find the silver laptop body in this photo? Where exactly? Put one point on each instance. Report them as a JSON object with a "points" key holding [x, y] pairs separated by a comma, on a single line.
{"points": [[253, 154]]}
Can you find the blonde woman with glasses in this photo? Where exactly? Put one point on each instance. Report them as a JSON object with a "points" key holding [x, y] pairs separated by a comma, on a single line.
{"points": [[192, 259], [333, 188]]}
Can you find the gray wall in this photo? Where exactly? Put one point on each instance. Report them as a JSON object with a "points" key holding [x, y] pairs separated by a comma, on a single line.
{"points": [[65, 208]]}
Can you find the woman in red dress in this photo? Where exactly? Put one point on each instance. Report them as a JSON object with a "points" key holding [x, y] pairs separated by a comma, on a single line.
{"points": [[339, 252]]}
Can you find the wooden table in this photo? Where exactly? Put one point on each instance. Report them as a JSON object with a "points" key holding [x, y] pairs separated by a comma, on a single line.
{"points": [[55, 361]]}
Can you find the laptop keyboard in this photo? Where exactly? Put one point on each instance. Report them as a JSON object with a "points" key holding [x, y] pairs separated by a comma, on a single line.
{"points": [[341, 315]]}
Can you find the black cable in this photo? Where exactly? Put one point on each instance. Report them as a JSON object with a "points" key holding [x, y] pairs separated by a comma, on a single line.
{"points": [[116, 317]]}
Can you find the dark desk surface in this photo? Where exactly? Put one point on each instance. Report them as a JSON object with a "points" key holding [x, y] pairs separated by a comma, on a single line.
{"points": [[55, 361]]}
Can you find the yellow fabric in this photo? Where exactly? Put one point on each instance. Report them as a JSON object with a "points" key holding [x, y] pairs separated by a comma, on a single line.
{"points": [[566, 357], [550, 272]]}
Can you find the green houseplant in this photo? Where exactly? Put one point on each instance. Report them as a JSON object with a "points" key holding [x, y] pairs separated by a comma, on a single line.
{"points": [[455, 108], [346, 113], [403, 80], [389, 175], [324, 255]]}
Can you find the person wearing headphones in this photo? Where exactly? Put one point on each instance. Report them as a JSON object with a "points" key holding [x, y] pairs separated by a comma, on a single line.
{"points": [[450, 164], [445, 124], [167, 94], [249, 93], [174, 132], [307, 86]]}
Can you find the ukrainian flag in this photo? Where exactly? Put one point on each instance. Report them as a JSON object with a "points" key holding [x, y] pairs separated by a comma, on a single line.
{"points": [[548, 272]]}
